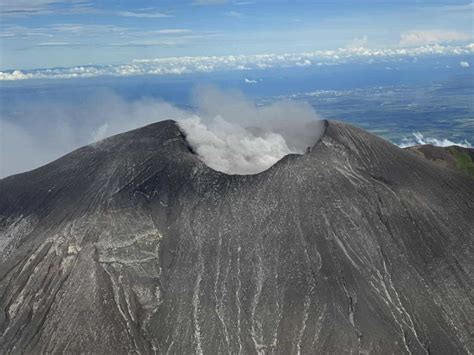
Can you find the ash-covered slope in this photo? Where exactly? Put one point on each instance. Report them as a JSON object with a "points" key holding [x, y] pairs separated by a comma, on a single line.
{"points": [[133, 245]]}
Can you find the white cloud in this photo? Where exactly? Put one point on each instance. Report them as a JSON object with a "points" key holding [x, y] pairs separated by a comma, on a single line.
{"points": [[84, 29], [170, 31], [419, 139], [464, 64], [234, 14], [210, 2], [420, 38], [24, 8], [250, 81], [16, 75], [11, 6], [77, 34], [142, 14], [303, 63], [54, 44], [205, 64]]}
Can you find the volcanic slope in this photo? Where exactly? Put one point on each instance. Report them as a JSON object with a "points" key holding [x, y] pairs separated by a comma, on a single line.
{"points": [[134, 245]]}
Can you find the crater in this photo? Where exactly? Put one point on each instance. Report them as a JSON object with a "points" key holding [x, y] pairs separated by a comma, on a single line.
{"points": [[232, 149]]}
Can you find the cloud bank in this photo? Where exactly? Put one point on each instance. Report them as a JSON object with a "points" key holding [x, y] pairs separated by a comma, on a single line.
{"points": [[418, 139], [229, 132], [207, 64]]}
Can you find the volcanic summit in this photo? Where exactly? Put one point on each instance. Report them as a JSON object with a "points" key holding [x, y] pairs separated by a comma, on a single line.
{"points": [[134, 245]]}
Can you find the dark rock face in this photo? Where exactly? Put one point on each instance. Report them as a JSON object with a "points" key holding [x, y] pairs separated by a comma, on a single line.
{"points": [[133, 245]]}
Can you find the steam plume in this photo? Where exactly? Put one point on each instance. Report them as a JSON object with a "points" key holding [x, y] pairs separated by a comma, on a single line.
{"points": [[229, 132], [233, 135]]}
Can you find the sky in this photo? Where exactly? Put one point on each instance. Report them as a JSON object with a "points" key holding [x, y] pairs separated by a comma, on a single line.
{"points": [[64, 34]]}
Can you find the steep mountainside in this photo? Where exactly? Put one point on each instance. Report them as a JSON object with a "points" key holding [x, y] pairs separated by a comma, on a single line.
{"points": [[133, 245]]}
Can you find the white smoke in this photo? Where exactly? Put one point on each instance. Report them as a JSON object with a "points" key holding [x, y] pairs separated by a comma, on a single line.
{"points": [[420, 139], [230, 133], [229, 148], [235, 136]]}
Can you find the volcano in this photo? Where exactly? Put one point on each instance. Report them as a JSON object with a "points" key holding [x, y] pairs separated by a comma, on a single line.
{"points": [[134, 245]]}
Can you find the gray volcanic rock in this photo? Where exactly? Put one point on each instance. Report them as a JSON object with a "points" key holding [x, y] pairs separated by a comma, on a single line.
{"points": [[133, 245]]}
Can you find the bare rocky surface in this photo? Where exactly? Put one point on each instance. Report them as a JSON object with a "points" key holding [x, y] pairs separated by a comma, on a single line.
{"points": [[133, 245]]}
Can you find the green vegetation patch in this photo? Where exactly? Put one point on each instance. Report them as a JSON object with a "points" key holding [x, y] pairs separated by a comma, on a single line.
{"points": [[463, 162]]}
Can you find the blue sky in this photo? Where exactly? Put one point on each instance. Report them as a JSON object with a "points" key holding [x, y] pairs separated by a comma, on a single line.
{"points": [[48, 33]]}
